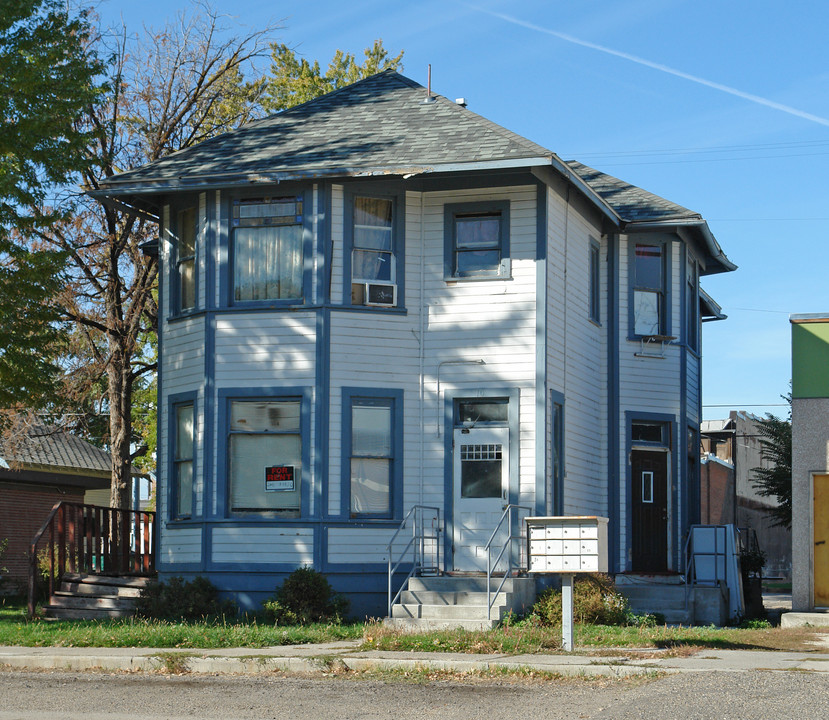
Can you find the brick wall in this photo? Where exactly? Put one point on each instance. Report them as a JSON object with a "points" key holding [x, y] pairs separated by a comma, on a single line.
{"points": [[23, 509]]}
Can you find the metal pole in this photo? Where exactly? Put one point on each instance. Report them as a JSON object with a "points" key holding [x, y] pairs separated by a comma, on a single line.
{"points": [[567, 612]]}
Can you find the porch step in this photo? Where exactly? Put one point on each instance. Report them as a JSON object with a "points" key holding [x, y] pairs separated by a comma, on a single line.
{"points": [[93, 597], [665, 599], [441, 602]]}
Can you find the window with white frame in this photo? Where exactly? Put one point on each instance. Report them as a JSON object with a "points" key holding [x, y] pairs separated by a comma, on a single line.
{"points": [[265, 456], [267, 249], [185, 291], [373, 259], [372, 453], [477, 240], [183, 461], [648, 290]]}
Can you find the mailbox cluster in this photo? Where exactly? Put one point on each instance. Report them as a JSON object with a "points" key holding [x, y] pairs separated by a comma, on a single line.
{"points": [[572, 544]]}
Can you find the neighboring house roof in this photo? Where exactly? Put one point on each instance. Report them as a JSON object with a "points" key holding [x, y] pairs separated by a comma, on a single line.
{"points": [[53, 449], [385, 125]]}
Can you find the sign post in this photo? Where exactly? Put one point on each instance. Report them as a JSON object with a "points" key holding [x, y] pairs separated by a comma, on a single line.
{"points": [[567, 612]]}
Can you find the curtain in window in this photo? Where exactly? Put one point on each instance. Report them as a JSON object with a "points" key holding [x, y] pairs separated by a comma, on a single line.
{"points": [[184, 461], [250, 454], [371, 460], [267, 263]]}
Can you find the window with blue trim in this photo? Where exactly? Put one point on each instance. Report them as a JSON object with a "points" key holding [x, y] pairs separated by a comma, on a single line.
{"points": [[649, 290], [185, 263], [267, 249], [265, 457], [373, 252], [183, 461], [372, 453], [477, 240]]}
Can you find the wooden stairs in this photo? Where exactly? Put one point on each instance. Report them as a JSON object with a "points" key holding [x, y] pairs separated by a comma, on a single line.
{"points": [[94, 597]]}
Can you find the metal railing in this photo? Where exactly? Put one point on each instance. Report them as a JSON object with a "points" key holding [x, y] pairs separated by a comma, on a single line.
{"points": [[506, 547], [424, 547], [92, 540]]}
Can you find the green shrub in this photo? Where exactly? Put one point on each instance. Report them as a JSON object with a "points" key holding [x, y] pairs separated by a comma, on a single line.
{"points": [[181, 599], [306, 596], [595, 601]]}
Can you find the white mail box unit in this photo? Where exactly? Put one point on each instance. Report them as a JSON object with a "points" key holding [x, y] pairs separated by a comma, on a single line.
{"points": [[568, 544]]}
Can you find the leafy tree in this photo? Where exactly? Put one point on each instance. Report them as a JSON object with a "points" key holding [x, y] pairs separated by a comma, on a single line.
{"points": [[47, 80], [294, 80], [775, 480]]}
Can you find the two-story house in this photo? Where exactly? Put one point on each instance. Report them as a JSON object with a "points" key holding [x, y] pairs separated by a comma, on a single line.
{"points": [[379, 299]]}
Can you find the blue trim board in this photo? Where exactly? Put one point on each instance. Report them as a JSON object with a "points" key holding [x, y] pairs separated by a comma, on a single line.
{"points": [[682, 492], [225, 396], [613, 417], [632, 416], [388, 191], [450, 210], [541, 349], [395, 396], [450, 397]]}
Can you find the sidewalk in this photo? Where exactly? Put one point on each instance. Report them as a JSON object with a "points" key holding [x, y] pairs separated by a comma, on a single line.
{"points": [[328, 657]]}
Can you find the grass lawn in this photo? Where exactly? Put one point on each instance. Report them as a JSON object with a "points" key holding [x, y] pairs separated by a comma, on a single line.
{"points": [[16, 629]]}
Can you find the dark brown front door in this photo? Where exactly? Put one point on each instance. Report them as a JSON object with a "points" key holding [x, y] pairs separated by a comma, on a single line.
{"points": [[649, 497]]}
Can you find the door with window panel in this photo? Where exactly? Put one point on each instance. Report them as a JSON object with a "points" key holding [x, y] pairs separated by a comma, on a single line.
{"points": [[481, 492]]}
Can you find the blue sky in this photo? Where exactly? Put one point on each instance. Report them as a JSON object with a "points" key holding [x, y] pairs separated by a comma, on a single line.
{"points": [[722, 107]]}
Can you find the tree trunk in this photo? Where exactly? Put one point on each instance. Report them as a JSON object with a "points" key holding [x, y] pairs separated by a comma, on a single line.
{"points": [[120, 424]]}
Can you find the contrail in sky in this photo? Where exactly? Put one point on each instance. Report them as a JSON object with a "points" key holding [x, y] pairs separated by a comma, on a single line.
{"points": [[657, 66]]}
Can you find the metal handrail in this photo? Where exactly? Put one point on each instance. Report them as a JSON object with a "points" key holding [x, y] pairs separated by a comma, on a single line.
{"points": [[507, 545], [416, 544]]}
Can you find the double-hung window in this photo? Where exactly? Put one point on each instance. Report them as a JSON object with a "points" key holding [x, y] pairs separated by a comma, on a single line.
{"points": [[267, 249], [593, 282], [372, 453], [477, 240], [185, 291], [373, 261], [265, 456], [183, 457], [692, 318], [649, 290]]}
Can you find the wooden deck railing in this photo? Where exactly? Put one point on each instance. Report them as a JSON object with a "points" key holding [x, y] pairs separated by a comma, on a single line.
{"points": [[93, 540]]}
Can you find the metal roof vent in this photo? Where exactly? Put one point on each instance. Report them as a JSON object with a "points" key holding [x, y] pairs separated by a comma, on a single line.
{"points": [[460, 101], [429, 97]]}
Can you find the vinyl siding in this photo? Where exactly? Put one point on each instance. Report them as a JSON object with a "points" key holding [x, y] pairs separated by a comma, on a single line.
{"points": [[286, 545], [180, 545]]}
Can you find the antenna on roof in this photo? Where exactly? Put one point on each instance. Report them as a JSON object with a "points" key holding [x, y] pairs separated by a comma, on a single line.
{"points": [[429, 96]]}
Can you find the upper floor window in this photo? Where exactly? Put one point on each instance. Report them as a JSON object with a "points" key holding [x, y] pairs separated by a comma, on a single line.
{"points": [[185, 290], [373, 260], [649, 290], [593, 282], [477, 240], [267, 249], [692, 315]]}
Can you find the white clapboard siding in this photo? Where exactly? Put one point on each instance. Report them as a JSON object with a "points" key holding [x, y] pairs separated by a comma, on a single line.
{"points": [[290, 545], [265, 349], [364, 545], [180, 545], [182, 357]]}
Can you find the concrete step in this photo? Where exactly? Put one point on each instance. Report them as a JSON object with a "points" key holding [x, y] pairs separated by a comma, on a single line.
{"points": [[448, 612], [468, 583], [68, 600], [427, 624], [433, 597], [654, 597]]}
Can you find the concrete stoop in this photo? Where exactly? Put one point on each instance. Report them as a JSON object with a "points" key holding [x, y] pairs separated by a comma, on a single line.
{"points": [[93, 597], [701, 606], [436, 603]]}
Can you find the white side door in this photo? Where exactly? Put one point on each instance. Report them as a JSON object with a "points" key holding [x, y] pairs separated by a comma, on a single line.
{"points": [[481, 492]]}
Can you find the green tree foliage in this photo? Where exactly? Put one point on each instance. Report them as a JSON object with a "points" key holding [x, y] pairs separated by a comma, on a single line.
{"points": [[47, 80], [775, 479], [294, 80]]}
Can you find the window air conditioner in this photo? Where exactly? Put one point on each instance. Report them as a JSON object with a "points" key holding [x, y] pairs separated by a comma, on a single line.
{"points": [[381, 294]]}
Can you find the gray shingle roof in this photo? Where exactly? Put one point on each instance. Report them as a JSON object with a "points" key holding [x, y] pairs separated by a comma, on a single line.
{"points": [[631, 203], [377, 125], [52, 447]]}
